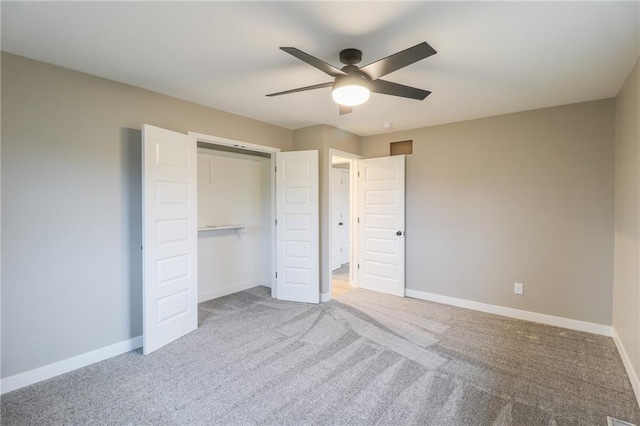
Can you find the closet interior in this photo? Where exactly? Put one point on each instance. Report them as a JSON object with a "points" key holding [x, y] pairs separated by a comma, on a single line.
{"points": [[235, 226]]}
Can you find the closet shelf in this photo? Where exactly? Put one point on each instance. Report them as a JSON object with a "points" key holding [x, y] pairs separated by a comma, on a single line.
{"points": [[220, 227]]}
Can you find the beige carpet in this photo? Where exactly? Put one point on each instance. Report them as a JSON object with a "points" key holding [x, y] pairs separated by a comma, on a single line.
{"points": [[362, 359]]}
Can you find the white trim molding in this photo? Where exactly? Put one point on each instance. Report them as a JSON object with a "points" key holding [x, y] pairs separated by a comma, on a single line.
{"points": [[233, 143], [589, 327], [325, 297], [633, 376], [39, 374]]}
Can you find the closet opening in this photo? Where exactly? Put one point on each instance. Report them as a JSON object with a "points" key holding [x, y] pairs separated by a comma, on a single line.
{"points": [[236, 235]]}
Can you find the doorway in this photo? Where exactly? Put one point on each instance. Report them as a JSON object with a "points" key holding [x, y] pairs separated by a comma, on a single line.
{"points": [[342, 214], [234, 220], [340, 225]]}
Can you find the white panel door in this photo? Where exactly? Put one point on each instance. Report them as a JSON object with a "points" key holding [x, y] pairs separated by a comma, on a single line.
{"points": [[297, 234], [170, 243], [345, 216], [381, 228], [336, 218]]}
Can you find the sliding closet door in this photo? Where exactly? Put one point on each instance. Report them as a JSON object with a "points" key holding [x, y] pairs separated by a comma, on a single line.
{"points": [[297, 235], [170, 241]]}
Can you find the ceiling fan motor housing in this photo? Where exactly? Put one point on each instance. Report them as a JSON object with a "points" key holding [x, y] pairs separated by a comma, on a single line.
{"points": [[350, 56]]}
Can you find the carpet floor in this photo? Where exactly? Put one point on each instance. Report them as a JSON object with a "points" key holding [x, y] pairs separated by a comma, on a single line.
{"points": [[362, 359]]}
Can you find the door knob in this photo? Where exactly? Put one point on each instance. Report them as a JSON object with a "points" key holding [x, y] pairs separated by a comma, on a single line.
{"points": [[340, 223], [399, 233]]}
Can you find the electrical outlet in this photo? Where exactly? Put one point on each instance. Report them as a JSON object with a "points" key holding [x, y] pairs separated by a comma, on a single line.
{"points": [[518, 288]]}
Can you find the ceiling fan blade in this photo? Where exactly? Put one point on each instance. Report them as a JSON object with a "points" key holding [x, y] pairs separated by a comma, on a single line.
{"points": [[345, 109], [313, 61], [398, 60], [395, 89], [302, 89]]}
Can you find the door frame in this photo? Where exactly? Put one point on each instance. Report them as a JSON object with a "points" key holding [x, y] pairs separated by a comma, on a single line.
{"points": [[353, 217], [232, 143]]}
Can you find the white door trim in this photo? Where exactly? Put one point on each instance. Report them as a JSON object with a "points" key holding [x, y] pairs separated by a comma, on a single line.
{"points": [[353, 217], [232, 143], [274, 237]]}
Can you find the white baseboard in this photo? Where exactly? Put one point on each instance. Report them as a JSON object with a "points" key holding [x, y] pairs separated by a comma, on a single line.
{"points": [[203, 296], [633, 377], [589, 327], [39, 374], [325, 297]]}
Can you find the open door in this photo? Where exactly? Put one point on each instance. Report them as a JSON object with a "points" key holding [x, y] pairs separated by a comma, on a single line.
{"points": [[381, 230], [345, 215], [297, 226], [170, 241], [337, 221]]}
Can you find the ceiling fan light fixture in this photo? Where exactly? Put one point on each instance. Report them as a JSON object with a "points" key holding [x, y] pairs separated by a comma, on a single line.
{"points": [[350, 90], [353, 85], [351, 95]]}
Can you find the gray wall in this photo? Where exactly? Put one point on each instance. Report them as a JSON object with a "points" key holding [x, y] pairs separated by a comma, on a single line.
{"points": [[524, 197], [626, 289], [71, 213], [322, 138]]}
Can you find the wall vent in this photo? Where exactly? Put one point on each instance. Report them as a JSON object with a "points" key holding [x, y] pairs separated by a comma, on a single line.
{"points": [[401, 148]]}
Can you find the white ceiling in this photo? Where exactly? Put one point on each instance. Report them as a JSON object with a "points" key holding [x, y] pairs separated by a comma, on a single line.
{"points": [[493, 57]]}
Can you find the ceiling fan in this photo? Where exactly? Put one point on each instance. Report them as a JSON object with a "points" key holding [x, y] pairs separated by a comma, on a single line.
{"points": [[352, 85]]}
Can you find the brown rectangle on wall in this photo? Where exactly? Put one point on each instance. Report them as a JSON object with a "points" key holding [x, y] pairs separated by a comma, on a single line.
{"points": [[401, 148]]}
